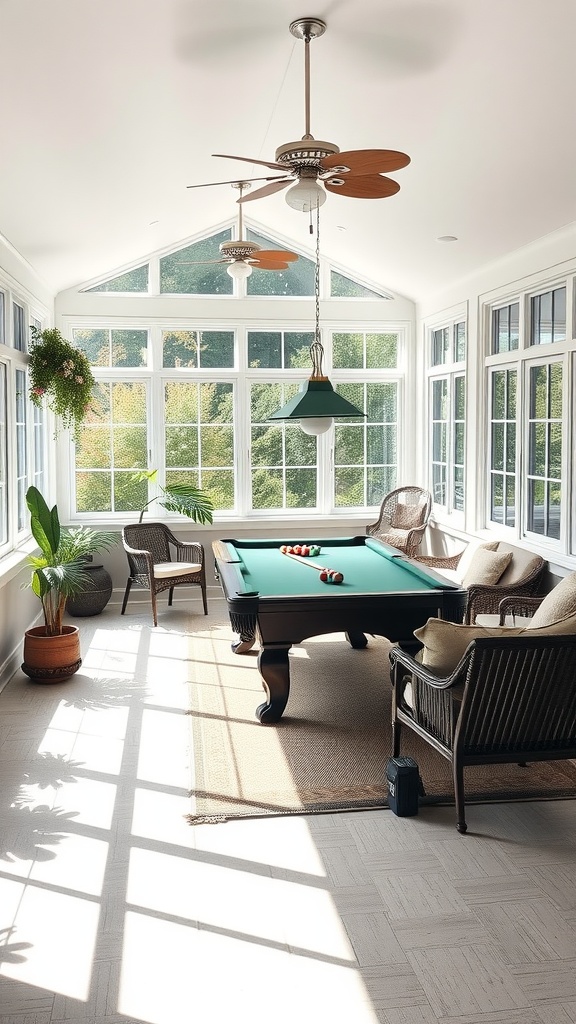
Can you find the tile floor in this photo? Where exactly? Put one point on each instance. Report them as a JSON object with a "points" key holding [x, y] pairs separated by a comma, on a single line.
{"points": [[113, 909]]}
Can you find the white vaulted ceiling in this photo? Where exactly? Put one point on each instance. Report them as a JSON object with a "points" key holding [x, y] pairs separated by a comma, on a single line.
{"points": [[110, 108]]}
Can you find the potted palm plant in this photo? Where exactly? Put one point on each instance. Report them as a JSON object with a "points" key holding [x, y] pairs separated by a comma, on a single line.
{"points": [[52, 651], [183, 498]]}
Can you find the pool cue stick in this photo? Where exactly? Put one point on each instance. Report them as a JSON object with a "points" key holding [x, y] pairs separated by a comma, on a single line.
{"points": [[306, 561]]}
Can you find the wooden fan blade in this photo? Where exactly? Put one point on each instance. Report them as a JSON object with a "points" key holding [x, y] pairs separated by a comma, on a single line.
{"points": [[364, 186], [266, 190], [277, 254], [208, 184], [367, 161], [249, 160], [268, 265]]}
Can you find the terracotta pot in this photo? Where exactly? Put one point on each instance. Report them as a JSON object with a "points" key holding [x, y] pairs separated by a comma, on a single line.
{"points": [[50, 659]]}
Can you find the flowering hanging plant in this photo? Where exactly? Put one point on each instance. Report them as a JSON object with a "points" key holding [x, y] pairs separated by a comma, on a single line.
{"points": [[60, 373]]}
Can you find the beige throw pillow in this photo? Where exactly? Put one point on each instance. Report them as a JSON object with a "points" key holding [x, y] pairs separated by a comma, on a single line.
{"points": [[486, 567], [559, 603], [406, 517], [445, 642]]}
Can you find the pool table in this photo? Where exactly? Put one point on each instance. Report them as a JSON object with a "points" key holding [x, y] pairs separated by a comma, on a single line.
{"points": [[283, 601]]}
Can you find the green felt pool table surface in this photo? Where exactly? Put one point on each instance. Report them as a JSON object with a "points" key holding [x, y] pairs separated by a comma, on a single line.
{"points": [[368, 567]]}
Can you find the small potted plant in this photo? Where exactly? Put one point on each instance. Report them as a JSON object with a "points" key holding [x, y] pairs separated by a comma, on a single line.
{"points": [[52, 651], [183, 498], [61, 374]]}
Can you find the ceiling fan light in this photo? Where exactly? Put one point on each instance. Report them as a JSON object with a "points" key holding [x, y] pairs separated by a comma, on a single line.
{"points": [[305, 196], [239, 270]]}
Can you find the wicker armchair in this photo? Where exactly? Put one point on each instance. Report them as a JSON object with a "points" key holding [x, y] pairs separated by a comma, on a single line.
{"points": [[148, 547], [404, 515], [509, 699]]}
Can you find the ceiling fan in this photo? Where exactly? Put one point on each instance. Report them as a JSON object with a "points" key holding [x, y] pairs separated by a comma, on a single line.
{"points": [[312, 167], [242, 255]]}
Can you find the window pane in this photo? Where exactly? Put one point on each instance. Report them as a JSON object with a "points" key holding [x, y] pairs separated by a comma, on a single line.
{"points": [[460, 343], [193, 270], [381, 351], [344, 287], [216, 349], [19, 329], [348, 351], [131, 281], [297, 349], [180, 348], [21, 448], [440, 346], [199, 434], [3, 455], [548, 317], [129, 348], [265, 349], [545, 450], [349, 487], [112, 445], [506, 328]]}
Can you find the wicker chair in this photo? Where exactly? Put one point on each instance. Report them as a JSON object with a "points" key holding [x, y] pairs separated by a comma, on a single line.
{"points": [[404, 515], [148, 547], [509, 699]]}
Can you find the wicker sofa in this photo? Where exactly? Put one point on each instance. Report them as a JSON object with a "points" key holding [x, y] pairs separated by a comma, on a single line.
{"points": [[523, 577]]}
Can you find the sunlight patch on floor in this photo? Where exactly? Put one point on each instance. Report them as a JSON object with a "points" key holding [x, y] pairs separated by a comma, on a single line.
{"points": [[60, 933]]}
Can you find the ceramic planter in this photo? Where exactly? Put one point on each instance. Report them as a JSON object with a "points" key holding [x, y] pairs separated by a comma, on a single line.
{"points": [[51, 659]]}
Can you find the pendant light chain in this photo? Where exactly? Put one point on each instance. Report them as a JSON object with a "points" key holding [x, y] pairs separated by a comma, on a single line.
{"points": [[316, 349]]}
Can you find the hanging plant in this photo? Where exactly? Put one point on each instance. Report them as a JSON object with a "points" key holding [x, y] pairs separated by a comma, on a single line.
{"points": [[61, 374]]}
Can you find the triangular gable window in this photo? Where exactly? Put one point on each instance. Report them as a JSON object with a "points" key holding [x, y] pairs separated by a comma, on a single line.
{"points": [[178, 277], [298, 279], [132, 281], [342, 287]]}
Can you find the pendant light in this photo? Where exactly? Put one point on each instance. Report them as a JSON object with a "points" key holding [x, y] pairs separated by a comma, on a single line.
{"points": [[316, 405]]}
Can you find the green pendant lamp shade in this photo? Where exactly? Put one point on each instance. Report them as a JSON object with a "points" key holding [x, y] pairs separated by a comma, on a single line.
{"points": [[316, 401]]}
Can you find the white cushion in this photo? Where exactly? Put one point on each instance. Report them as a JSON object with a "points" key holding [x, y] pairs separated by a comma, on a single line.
{"points": [[486, 567], [490, 621], [162, 570], [560, 602]]}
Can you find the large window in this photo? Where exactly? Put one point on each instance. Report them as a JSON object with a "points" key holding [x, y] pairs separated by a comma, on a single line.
{"points": [[447, 414], [531, 415], [197, 408], [22, 426]]}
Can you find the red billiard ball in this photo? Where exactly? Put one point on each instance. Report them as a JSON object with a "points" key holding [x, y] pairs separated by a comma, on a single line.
{"points": [[304, 551], [297, 550], [283, 549], [338, 577], [324, 576]]}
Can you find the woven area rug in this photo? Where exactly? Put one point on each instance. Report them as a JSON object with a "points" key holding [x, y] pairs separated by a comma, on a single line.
{"points": [[329, 750]]}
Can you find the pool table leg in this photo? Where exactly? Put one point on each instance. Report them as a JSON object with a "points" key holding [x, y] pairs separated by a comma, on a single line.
{"points": [[275, 671], [357, 640]]}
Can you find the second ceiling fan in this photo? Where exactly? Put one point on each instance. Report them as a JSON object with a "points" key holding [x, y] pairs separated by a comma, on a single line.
{"points": [[312, 166], [242, 255]]}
